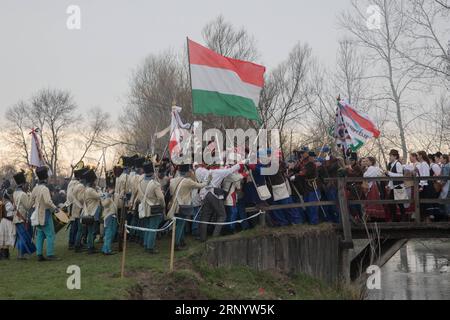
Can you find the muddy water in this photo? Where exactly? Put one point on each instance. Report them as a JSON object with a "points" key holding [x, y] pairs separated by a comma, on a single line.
{"points": [[417, 272]]}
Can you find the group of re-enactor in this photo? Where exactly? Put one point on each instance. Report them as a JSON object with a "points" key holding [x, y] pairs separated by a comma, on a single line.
{"points": [[146, 193]]}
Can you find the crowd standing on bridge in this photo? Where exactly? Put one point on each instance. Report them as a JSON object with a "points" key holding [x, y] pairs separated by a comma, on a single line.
{"points": [[146, 193]]}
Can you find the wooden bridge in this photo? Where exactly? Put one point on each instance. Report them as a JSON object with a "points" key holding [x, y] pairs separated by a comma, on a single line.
{"points": [[385, 239]]}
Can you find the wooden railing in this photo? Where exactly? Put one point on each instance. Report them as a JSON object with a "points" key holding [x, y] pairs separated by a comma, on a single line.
{"points": [[343, 203]]}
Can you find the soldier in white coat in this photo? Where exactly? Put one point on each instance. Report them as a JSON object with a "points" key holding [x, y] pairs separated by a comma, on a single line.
{"points": [[152, 206], [44, 210], [74, 205], [90, 215], [22, 203], [135, 181]]}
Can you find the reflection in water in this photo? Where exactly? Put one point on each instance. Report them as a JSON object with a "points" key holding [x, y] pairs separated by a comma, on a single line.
{"points": [[416, 272]]}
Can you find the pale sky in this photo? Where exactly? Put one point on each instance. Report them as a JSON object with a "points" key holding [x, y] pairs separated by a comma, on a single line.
{"points": [[95, 63]]}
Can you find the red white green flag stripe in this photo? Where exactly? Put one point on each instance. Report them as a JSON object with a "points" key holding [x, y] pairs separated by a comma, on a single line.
{"points": [[224, 86], [356, 127]]}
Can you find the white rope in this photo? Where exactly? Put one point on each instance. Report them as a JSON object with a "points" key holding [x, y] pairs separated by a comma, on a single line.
{"points": [[220, 223], [195, 221], [148, 230]]}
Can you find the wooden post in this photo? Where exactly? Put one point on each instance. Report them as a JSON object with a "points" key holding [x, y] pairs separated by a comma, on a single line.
{"points": [[262, 219], [344, 255], [345, 216], [124, 250], [344, 266], [416, 201], [172, 246]]}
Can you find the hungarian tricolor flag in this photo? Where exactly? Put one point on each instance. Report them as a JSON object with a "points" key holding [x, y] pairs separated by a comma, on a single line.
{"points": [[353, 128], [224, 86]]}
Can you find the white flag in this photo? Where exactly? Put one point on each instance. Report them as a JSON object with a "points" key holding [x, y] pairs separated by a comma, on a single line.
{"points": [[180, 137], [36, 157]]}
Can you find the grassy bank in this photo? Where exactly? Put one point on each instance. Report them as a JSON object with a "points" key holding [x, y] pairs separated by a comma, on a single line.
{"points": [[147, 277]]}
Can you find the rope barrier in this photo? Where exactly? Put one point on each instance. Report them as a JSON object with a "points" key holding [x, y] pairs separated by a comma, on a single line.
{"points": [[190, 220], [149, 230], [221, 223]]}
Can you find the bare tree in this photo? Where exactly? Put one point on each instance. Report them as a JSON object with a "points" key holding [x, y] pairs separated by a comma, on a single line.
{"points": [[433, 132], [93, 133], [18, 126], [350, 72], [316, 125], [6, 172], [53, 112], [429, 46], [443, 3], [268, 99], [383, 44], [225, 39], [292, 89], [155, 85]]}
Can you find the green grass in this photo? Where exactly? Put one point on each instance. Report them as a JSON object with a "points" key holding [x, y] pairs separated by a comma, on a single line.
{"points": [[148, 277], [294, 230], [245, 283], [100, 275]]}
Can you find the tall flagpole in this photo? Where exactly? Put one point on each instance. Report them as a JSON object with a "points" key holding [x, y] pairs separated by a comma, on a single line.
{"points": [[338, 115], [192, 96], [190, 74]]}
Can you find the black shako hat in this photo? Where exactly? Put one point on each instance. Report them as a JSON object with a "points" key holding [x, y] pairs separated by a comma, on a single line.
{"points": [[127, 162], [132, 160], [184, 168], [79, 173], [19, 178], [148, 167], [138, 163], [90, 176], [42, 173]]}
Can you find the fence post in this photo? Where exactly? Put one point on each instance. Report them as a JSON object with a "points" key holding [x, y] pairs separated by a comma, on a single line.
{"points": [[416, 201], [345, 216], [172, 244], [124, 252], [347, 244], [262, 219]]}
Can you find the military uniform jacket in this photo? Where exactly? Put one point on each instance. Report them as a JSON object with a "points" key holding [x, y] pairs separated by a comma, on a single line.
{"points": [[22, 202], [136, 196], [140, 186], [41, 200], [77, 199], [123, 186], [109, 207], [182, 196], [70, 196], [153, 196], [91, 201]]}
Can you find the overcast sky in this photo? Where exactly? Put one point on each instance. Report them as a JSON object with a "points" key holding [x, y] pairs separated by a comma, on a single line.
{"points": [[94, 63]]}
